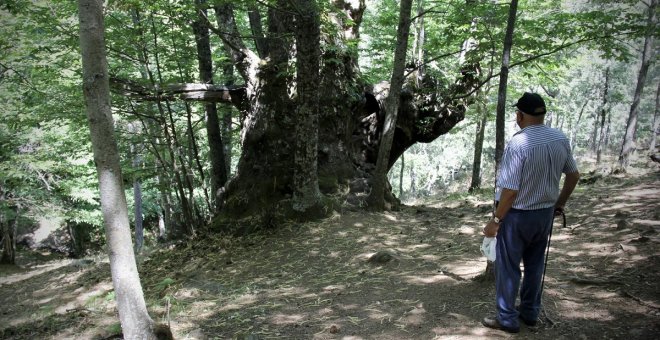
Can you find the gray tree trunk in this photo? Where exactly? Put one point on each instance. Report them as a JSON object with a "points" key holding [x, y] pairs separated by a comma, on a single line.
{"points": [[135, 320], [8, 227], [403, 165], [504, 77], [629, 138], [482, 119], [376, 200], [603, 116], [306, 193], [656, 122], [139, 228], [216, 147]]}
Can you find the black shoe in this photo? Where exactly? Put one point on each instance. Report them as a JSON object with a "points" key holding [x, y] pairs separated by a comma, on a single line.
{"points": [[492, 322], [530, 323]]}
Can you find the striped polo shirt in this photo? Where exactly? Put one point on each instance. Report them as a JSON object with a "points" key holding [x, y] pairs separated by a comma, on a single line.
{"points": [[532, 164]]}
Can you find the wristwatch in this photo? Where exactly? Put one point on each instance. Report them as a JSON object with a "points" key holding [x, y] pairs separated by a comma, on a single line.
{"points": [[497, 220]]}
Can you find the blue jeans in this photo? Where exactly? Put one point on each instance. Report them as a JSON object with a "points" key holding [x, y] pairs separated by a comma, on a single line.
{"points": [[523, 235]]}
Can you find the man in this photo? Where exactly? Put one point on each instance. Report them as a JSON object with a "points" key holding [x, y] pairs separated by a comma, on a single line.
{"points": [[528, 195]]}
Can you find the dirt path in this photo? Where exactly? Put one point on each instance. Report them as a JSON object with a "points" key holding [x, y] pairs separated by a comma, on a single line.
{"points": [[315, 281]]}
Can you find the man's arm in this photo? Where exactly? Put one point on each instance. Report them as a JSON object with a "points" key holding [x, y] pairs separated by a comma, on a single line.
{"points": [[569, 185], [506, 201]]}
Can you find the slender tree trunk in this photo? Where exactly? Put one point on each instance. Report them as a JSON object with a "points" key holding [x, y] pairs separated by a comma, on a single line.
{"points": [[501, 91], [216, 147], [8, 227], [603, 116], [153, 129], [418, 45], [306, 193], [139, 228], [136, 162], [489, 274], [413, 180], [656, 122], [174, 149], [629, 139], [482, 119], [135, 320], [227, 117], [260, 41], [593, 142], [376, 198], [576, 126], [403, 164], [606, 141], [195, 158]]}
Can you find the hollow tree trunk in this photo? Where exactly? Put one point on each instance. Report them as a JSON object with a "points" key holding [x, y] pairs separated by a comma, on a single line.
{"points": [[350, 124], [628, 145], [135, 320]]}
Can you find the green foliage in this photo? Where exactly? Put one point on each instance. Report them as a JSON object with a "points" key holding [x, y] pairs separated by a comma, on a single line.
{"points": [[46, 165], [162, 285]]}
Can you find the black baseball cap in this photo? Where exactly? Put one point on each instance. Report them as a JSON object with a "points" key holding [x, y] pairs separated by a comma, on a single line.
{"points": [[531, 104]]}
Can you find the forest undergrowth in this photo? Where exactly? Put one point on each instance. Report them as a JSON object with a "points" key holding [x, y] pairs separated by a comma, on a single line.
{"points": [[406, 274]]}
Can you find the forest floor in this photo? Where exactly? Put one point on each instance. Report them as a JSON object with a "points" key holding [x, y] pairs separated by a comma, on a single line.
{"points": [[314, 281]]}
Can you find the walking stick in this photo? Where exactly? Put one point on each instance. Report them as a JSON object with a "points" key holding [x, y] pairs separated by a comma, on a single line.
{"points": [[558, 211]]}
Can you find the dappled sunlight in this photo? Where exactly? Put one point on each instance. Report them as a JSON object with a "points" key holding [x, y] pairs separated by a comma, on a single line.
{"points": [[283, 319], [467, 333], [469, 230], [414, 316], [317, 281], [390, 217], [239, 302], [426, 280], [574, 310], [642, 192], [653, 223], [623, 205]]}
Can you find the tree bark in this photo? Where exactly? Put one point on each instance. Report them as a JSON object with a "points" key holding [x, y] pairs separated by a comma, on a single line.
{"points": [[306, 194], [603, 116], [135, 320], [501, 91], [656, 122], [403, 164], [376, 200], [260, 42], [629, 138], [216, 147], [482, 119], [351, 118], [8, 227]]}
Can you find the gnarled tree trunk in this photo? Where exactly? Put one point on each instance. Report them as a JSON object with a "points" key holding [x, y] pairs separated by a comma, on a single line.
{"points": [[350, 116]]}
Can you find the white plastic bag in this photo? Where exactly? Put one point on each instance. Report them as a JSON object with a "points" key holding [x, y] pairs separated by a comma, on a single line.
{"points": [[488, 248]]}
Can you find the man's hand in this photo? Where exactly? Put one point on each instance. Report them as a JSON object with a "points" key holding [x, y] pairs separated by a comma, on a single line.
{"points": [[559, 210], [491, 228]]}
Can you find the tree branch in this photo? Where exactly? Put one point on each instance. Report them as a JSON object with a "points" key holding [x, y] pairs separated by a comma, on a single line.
{"points": [[534, 57], [432, 60]]}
